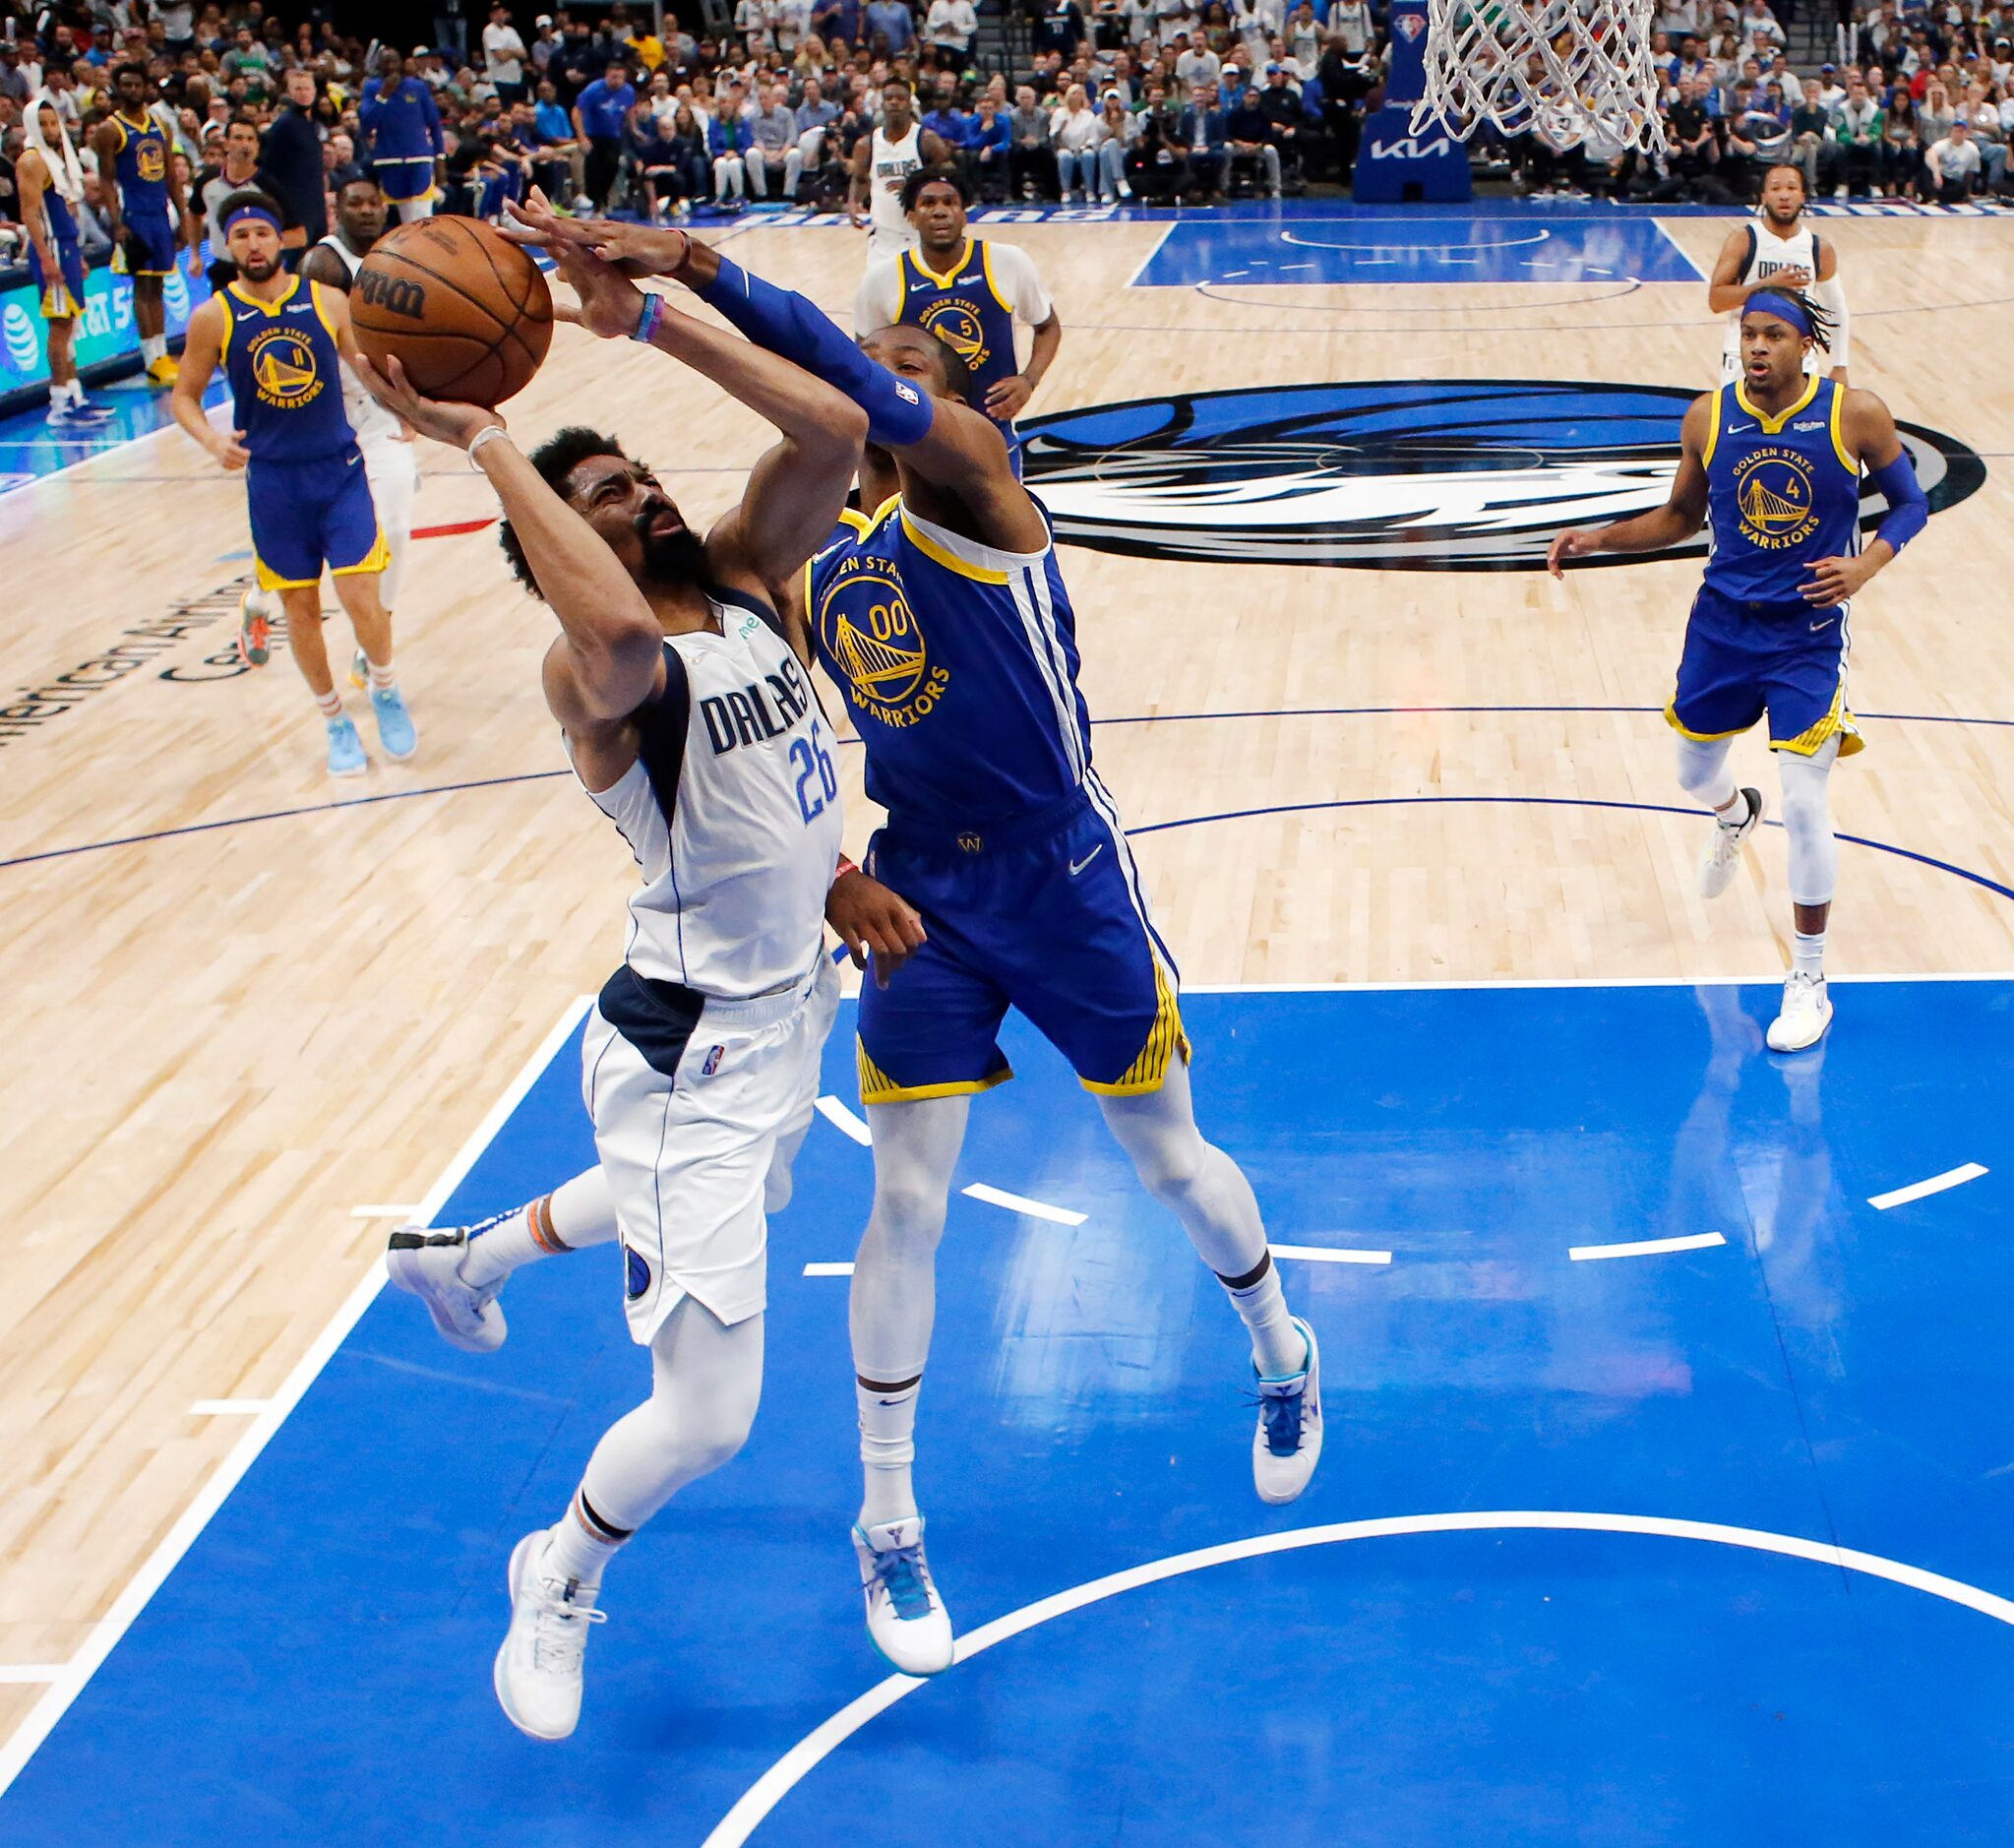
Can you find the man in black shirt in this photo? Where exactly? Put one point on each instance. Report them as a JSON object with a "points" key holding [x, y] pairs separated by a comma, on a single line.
{"points": [[1281, 104], [290, 158]]}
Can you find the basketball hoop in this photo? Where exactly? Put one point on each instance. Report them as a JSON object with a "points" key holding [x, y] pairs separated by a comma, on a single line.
{"points": [[1571, 71]]}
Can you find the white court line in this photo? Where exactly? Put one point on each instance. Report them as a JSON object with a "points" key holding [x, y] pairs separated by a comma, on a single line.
{"points": [[768, 1789], [393, 1212], [828, 1271], [229, 1408], [1330, 1254], [1646, 1248], [845, 1122], [17, 1674], [128, 1605], [1922, 1190], [1020, 1203], [1147, 261]]}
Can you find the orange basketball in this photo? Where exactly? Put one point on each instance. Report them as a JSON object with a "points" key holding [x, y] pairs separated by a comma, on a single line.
{"points": [[466, 312]]}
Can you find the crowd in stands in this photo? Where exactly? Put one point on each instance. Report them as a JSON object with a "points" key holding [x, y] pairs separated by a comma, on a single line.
{"points": [[1097, 101]]}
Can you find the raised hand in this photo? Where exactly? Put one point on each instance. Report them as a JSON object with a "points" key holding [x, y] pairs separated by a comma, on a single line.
{"points": [[459, 424], [636, 250], [610, 304]]}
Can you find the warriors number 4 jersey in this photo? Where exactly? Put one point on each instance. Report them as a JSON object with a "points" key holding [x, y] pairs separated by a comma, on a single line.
{"points": [[732, 810], [285, 373], [1782, 493], [959, 667]]}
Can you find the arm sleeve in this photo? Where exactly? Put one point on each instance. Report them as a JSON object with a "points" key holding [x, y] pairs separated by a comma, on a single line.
{"points": [[1831, 296], [1909, 512], [785, 323]]}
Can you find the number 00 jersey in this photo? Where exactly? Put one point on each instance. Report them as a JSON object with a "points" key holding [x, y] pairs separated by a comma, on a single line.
{"points": [[1782, 493], [732, 810], [959, 666]]}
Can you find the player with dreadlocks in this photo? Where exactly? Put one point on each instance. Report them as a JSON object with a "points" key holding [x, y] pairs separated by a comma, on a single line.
{"points": [[1774, 461]]}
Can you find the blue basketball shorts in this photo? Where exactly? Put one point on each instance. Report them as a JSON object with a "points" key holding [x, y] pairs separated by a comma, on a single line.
{"points": [[1048, 917], [1744, 660], [313, 513], [151, 244], [62, 296]]}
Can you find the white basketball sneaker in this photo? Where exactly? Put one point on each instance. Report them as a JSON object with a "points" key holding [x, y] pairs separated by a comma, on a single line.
{"points": [[538, 1668], [427, 1263], [1723, 856], [1806, 1013], [907, 1619], [1288, 1443]]}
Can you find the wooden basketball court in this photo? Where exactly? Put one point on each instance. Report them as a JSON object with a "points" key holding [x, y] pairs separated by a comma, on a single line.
{"points": [[246, 1001]]}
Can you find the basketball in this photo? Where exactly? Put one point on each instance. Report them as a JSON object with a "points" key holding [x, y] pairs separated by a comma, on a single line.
{"points": [[466, 312]]}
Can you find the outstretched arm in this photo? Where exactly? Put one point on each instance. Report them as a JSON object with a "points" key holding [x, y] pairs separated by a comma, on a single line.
{"points": [[1678, 518], [795, 492], [610, 659]]}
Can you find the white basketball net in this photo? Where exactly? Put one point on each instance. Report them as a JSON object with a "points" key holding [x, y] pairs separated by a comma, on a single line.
{"points": [[1571, 71]]}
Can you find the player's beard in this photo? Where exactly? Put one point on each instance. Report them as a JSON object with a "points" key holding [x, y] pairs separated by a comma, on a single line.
{"points": [[259, 270], [672, 561]]}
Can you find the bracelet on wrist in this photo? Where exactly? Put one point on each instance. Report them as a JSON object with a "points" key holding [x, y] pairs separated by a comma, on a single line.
{"points": [[841, 871], [483, 435], [648, 321]]}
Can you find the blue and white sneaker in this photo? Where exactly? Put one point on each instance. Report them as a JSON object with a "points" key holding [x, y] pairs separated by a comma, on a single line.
{"points": [[76, 415], [538, 1671], [1288, 1443], [345, 749], [426, 1262], [907, 1619], [396, 730]]}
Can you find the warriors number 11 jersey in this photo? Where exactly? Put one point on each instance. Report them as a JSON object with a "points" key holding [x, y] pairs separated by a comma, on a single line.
{"points": [[1782, 493], [959, 667]]}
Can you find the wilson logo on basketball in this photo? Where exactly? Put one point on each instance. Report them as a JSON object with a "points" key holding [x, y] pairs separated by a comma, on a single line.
{"points": [[1428, 474], [393, 294]]}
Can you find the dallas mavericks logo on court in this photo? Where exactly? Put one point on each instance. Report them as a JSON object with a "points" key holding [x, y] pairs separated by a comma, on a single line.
{"points": [[1424, 475], [23, 350]]}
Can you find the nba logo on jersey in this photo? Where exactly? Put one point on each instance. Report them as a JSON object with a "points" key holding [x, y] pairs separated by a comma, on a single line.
{"points": [[712, 1062], [906, 391]]}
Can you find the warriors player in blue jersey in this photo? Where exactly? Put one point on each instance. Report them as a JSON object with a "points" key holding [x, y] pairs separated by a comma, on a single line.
{"points": [[149, 217], [1774, 461], [280, 339], [969, 291], [943, 615]]}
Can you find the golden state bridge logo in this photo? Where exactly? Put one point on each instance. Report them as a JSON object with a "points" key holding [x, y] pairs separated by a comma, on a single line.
{"points": [[872, 637], [150, 158], [959, 327], [1773, 490], [283, 369]]}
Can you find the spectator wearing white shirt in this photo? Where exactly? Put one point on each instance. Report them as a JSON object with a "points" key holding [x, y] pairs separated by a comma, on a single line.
{"points": [[1118, 130], [503, 55], [1350, 22], [1303, 43], [1196, 63], [952, 26], [789, 24], [1988, 135], [1074, 134], [1175, 19], [1954, 163]]}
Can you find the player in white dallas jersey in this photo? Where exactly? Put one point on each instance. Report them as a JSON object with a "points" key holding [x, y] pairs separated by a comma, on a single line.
{"points": [[883, 161], [689, 716], [390, 462], [1779, 249]]}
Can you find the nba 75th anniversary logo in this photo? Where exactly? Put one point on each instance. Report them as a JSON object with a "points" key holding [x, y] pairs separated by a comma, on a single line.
{"points": [[1423, 475]]}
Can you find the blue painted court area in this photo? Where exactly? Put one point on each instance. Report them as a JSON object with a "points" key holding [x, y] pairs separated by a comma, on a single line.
{"points": [[317, 1670], [30, 450], [1404, 247]]}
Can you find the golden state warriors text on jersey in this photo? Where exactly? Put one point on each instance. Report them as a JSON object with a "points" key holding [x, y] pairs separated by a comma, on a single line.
{"points": [[871, 641], [1782, 493], [282, 359]]}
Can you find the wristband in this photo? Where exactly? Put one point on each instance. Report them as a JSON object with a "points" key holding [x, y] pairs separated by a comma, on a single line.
{"points": [[840, 872], [646, 322], [483, 435]]}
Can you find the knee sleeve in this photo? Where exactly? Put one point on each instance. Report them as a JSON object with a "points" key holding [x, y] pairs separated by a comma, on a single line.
{"points": [[1807, 821], [1703, 772]]}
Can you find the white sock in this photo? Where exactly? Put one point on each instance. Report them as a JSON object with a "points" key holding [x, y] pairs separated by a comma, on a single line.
{"points": [[380, 677], [1278, 1348], [1737, 811], [579, 1546], [59, 397], [329, 705], [577, 1214], [155, 347], [888, 1449], [76, 390], [1808, 957]]}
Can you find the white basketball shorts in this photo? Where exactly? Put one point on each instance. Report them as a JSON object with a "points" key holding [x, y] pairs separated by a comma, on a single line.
{"points": [[688, 1149], [392, 469]]}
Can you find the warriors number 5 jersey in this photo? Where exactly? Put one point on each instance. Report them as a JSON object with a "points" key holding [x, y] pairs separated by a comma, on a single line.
{"points": [[732, 810], [959, 666], [286, 372], [1782, 493]]}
